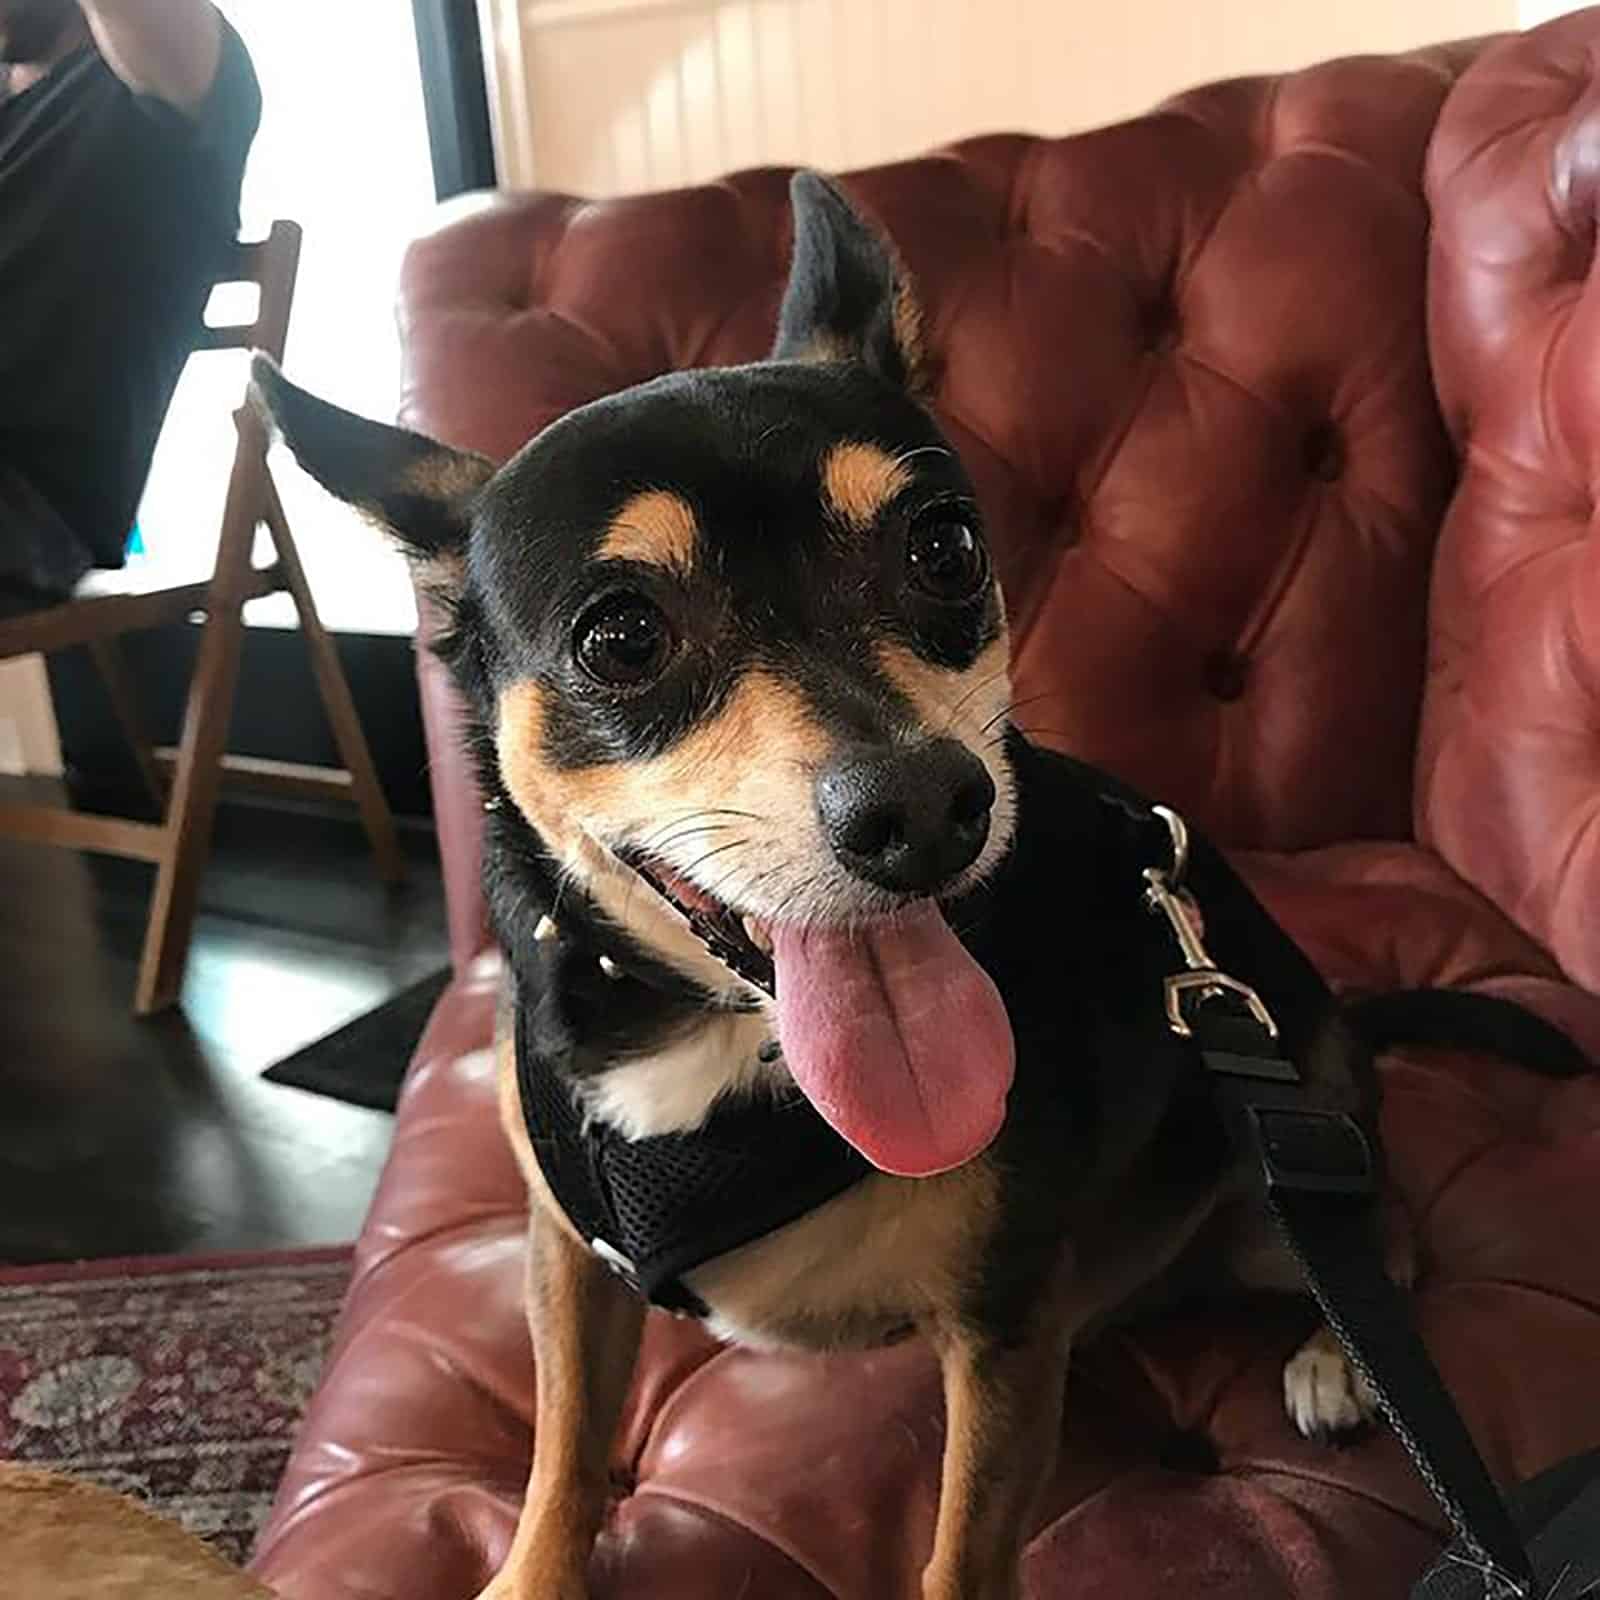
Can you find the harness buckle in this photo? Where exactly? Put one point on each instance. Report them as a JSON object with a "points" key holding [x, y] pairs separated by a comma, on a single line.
{"points": [[619, 1264], [1204, 982], [1312, 1151]]}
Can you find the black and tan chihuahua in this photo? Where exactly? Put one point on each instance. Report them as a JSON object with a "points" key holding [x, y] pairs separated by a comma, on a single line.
{"points": [[761, 837]]}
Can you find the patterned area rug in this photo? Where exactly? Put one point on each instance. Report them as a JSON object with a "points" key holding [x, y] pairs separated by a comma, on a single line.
{"points": [[177, 1381]]}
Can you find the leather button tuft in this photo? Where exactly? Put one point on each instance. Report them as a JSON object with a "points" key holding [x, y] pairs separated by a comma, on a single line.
{"points": [[1324, 452], [1226, 674], [1189, 1452], [1159, 326]]}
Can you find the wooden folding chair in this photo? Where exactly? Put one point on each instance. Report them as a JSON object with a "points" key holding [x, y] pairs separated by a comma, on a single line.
{"points": [[185, 781]]}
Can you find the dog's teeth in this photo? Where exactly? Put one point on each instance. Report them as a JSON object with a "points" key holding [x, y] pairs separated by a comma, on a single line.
{"points": [[757, 935]]}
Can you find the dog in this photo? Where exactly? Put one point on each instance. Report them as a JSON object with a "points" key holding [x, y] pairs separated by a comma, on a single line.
{"points": [[735, 659]]}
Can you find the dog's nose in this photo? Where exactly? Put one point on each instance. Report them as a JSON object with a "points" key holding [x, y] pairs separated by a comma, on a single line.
{"points": [[907, 819]]}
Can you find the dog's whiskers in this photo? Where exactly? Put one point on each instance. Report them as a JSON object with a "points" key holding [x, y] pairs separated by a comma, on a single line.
{"points": [[755, 881], [976, 689], [565, 878], [771, 432], [688, 825], [823, 901], [646, 840], [1016, 705], [664, 846], [906, 456], [721, 849]]}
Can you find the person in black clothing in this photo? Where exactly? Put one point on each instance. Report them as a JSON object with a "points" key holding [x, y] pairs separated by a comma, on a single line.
{"points": [[124, 127]]}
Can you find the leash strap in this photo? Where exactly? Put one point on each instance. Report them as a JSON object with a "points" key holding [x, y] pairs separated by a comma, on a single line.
{"points": [[1320, 1177]]}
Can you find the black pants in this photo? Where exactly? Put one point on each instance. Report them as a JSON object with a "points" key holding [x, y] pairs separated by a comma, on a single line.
{"points": [[41, 556], [17, 599]]}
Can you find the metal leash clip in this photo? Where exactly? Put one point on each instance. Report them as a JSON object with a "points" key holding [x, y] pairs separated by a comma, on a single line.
{"points": [[1204, 981]]}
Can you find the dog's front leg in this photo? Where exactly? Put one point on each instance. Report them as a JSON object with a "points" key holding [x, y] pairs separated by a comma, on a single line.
{"points": [[585, 1326], [1003, 1408]]}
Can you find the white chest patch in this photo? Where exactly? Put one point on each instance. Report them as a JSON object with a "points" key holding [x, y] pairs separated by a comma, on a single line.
{"points": [[673, 1089]]}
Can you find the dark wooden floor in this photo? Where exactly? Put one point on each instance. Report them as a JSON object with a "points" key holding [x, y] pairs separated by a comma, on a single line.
{"points": [[122, 1137]]}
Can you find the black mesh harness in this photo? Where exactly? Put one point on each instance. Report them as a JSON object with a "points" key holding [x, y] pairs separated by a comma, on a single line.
{"points": [[656, 1208]]}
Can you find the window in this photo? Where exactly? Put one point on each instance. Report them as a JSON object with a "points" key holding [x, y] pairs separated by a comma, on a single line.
{"points": [[343, 151]]}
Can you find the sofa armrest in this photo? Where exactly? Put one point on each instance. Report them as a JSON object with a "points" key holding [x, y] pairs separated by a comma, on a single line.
{"points": [[457, 806], [1508, 778]]}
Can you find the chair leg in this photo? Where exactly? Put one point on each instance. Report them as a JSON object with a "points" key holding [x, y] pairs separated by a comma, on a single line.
{"points": [[191, 810], [334, 688], [112, 666]]}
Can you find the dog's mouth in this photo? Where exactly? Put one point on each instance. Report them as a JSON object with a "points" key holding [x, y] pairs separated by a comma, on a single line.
{"points": [[890, 1028], [742, 944]]}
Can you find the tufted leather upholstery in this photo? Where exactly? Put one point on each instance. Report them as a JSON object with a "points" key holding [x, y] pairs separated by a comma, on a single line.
{"points": [[1508, 784], [1212, 380]]}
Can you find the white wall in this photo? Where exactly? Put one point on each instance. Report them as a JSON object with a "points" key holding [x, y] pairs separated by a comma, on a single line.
{"points": [[611, 96]]}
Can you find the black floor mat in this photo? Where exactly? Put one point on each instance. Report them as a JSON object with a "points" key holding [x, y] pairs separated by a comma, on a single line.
{"points": [[364, 1061]]}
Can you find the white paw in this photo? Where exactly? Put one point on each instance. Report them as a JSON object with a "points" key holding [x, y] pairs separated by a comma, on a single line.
{"points": [[1324, 1395]]}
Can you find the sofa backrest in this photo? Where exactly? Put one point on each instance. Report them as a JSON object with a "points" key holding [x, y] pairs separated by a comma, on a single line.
{"points": [[1185, 359]]}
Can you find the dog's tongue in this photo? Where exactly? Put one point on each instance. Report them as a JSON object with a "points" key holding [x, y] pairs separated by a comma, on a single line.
{"points": [[897, 1037]]}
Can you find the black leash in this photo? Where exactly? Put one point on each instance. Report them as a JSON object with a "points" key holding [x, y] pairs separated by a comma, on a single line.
{"points": [[1321, 1183]]}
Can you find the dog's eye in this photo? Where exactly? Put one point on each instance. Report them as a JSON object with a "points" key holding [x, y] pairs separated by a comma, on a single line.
{"points": [[946, 558], [624, 641]]}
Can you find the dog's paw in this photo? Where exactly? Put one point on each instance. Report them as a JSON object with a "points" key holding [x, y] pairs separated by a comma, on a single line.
{"points": [[1326, 1398]]}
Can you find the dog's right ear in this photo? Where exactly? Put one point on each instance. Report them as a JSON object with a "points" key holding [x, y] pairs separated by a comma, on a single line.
{"points": [[416, 490]]}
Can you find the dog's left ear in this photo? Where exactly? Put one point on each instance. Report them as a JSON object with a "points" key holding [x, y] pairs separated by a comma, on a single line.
{"points": [[848, 297], [418, 491]]}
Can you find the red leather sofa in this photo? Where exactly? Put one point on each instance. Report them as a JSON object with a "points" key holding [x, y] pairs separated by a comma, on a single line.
{"points": [[1284, 404]]}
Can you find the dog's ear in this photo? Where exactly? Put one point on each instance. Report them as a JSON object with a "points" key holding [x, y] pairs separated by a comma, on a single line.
{"points": [[418, 491], [848, 297]]}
